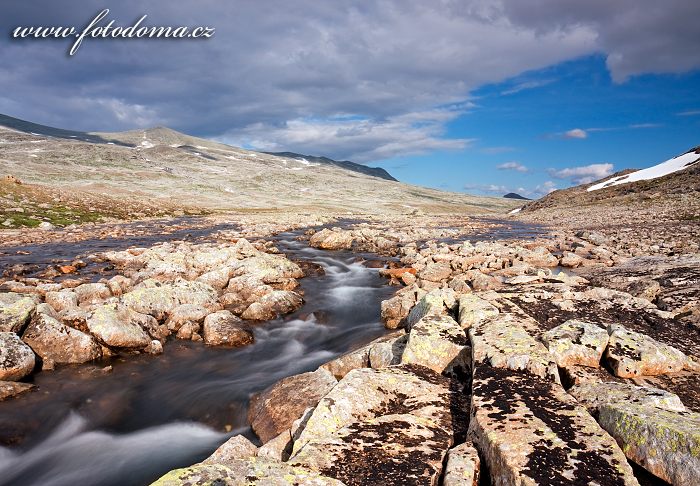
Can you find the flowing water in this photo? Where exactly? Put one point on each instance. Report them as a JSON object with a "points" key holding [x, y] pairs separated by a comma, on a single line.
{"points": [[145, 415]]}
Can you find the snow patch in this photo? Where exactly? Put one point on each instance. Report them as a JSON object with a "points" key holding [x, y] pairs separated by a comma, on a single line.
{"points": [[515, 211], [147, 144], [670, 166]]}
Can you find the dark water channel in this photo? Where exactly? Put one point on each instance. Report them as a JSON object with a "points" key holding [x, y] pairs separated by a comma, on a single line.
{"points": [[149, 414]]}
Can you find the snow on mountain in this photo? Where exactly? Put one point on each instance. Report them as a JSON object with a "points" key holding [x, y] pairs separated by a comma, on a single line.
{"points": [[672, 165]]}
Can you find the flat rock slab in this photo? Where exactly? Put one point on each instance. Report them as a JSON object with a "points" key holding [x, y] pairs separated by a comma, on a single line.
{"points": [[397, 450], [463, 466], [436, 342], [15, 311], [632, 354], [474, 310], [251, 472], [685, 384], [275, 409], [576, 343], [503, 342], [434, 303], [10, 389], [665, 443], [594, 395], [392, 425], [530, 431]]}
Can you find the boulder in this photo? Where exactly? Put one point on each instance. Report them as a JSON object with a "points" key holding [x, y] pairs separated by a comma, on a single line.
{"points": [[395, 310], [576, 343], [540, 257], [327, 239], [387, 353], [342, 365], [15, 311], [117, 326], [530, 431], [10, 389], [63, 300], [435, 303], [92, 293], [436, 272], [268, 268], [57, 343], [275, 409], [16, 358], [570, 260], [217, 279], [664, 442], [236, 448], [158, 299], [224, 329], [251, 472], [390, 426], [278, 448], [438, 343], [463, 466], [480, 281], [630, 354], [503, 342], [185, 313], [277, 302], [473, 310]]}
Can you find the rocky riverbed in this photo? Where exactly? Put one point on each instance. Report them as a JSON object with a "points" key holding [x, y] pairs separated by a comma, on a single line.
{"points": [[512, 354]]}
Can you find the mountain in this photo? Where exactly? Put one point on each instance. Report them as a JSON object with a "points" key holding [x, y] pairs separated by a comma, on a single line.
{"points": [[70, 176], [345, 164], [669, 190], [513, 195]]}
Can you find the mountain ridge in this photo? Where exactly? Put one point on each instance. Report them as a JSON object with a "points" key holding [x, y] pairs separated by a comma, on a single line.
{"points": [[346, 164]]}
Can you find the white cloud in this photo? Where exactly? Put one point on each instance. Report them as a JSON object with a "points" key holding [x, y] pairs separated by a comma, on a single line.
{"points": [[689, 113], [498, 189], [360, 140], [513, 165], [584, 174], [576, 133], [527, 85], [543, 189]]}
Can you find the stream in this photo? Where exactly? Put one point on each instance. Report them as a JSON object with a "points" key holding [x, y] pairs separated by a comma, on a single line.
{"points": [[129, 420]]}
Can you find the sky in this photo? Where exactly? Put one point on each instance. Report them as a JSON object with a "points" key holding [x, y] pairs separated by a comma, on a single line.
{"points": [[475, 96]]}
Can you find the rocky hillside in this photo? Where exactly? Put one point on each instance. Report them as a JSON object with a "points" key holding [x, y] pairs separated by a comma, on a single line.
{"points": [[161, 170]]}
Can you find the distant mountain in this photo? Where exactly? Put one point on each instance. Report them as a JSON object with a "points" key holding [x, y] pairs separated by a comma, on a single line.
{"points": [[676, 178], [345, 164], [513, 195]]}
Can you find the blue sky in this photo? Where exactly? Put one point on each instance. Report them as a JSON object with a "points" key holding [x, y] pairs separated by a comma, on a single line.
{"points": [[521, 125], [482, 96]]}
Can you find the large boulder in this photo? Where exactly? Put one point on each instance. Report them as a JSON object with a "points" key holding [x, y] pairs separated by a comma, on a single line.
{"points": [[390, 426], [664, 442], [435, 303], [540, 257], [276, 303], [387, 353], [224, 329], [438, 343], [503, 342], [530, 431], [16, 358], [15, 311], [327, 239], [57, 343], [630, 354], [275, 409], [252, 472], [436, 272], [576, 343], [186, 313], [217, 279], [117, 326]]}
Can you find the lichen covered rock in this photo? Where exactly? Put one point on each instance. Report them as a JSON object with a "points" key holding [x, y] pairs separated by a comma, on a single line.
{"points": [[57, 343], [576, 343], [16, 358], [436, 342], [15, 311]]}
